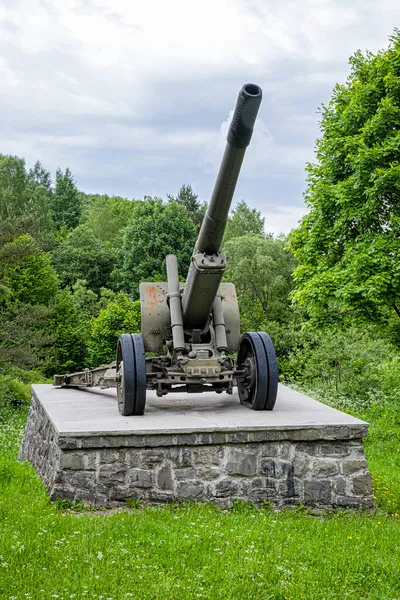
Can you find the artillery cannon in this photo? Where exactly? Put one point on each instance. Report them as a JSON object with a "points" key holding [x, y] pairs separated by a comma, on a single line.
{"points": [[197, 321]]}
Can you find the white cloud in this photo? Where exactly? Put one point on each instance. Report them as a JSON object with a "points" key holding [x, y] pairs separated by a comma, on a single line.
{"points": [[265, 157], [138, 89], [283, 220]]}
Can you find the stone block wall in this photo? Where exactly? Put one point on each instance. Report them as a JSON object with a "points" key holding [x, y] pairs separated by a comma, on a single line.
{"points": [[312, 466]]}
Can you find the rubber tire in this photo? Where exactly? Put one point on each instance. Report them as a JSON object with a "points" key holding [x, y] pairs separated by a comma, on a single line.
{"points": [[126, 354], [140, 371], [272, 371], [131, 351], [258, 400]]}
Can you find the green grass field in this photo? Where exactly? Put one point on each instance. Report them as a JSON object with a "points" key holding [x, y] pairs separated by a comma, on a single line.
{"points": [[197, 551]]}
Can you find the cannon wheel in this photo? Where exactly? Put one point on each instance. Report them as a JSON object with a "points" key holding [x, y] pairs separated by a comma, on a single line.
{"points": [[131, 371], [259, 387]]}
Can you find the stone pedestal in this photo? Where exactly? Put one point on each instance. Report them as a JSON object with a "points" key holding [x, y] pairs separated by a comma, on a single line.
{"points": [[203, 448]]}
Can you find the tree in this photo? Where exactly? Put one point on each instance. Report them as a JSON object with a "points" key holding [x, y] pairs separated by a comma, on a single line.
{"points": [[187, 198], [67, 352], [12, 186], [121, 315], [28, 284], [39, 206], [66, 201], [348, 245], [27, 273], [84, 301], [24, 202], [244, 221], [39, 177], [70, 321], [83, 256], [156, 230], [24, 335], [107, 217], [261, 269]]}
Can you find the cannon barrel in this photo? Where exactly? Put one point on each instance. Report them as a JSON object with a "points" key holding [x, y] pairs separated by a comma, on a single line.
{"points": [[208, 264], [238, 138]]}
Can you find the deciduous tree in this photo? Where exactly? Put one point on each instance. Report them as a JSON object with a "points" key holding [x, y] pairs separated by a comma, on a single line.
{"points": [[107, 217], [83, 256], [348, 244], [122, 315], [27, 273], [261, 269], [156, 230], [244, 221]]}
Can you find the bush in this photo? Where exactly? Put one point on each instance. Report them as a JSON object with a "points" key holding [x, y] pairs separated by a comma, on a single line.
{"points": [[27, 272], [390, 375], [83, 256], [13, 392], [121, 315], [348, 368], [68, 351], [15, 386]]}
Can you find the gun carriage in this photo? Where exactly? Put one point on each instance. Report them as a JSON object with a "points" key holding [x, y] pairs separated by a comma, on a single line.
{"points": [[197, 322]]}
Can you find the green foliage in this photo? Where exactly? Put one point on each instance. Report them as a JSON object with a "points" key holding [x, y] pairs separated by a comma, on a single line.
{"points": [[13, 392], [107, 217], [390, 374], [65, 201], [68, 351], [12, 186], [27, 273], [244, 221], [187, 198], [134, 503], [156, 230], [261, 269], [121, 315], [84, 301], [83, 256], [288, 337], [348, 244], [70, 320], [24, 335], [38, 177], [24, 203], [353, 364]]}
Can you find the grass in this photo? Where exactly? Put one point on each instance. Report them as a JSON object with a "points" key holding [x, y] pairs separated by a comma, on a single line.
{"points": [[197, 551], [382, 447]]}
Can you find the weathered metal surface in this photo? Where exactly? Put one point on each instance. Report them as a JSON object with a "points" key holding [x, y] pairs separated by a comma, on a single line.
{"points": [[104, 376], [230, 307], [201, 287], [175, 307], [156, 318], [219, 324], [155, 315]]}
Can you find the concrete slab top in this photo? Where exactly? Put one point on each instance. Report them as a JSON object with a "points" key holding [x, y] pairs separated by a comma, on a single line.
{"points": [[94, 412]]}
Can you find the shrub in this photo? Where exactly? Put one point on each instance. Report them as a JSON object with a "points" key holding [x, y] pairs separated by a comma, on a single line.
{"points": [[350, 367], [13, 392], [121, 315]]}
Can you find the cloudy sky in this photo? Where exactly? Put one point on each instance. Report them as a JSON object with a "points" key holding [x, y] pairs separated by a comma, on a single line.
{"points": [[135, 96]]}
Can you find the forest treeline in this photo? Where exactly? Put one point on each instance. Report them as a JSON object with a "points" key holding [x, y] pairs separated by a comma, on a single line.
{"points": [[329, 294]]}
